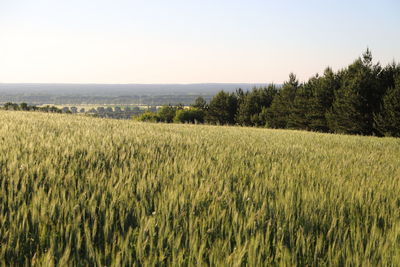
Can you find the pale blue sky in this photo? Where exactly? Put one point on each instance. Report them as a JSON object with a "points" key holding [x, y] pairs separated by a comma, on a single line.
{"points": [[172, 41]]}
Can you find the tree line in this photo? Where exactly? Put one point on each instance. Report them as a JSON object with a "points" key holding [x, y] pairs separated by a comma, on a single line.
{"points": [[102, 112], [26, 107], [362, 98]]}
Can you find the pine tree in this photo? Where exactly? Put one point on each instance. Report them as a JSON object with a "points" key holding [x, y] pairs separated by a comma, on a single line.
{"points": [[316, 115], [240, 95], [249, 105], [347, 114], [266, 97], [277, 115], [357, 98], [322, 90], [222, 108], [252, 103], [387, 121], [200, 103], [300, 108], [327, 85]]}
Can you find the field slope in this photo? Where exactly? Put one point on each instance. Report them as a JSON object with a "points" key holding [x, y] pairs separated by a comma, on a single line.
{"points": [[85, 191]]}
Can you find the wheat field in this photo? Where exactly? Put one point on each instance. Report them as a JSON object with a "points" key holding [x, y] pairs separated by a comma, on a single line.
{"points": [[79, 191]]}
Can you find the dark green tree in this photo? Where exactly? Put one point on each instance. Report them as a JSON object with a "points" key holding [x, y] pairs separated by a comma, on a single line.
{"points": [[191, 115], [348, 114], [167, 113], [387, 121], [277, 115], [222, 108], [252, 104], [148, 117], [387, 77], [200, 103], [240, 95], [357, 98], [23, 106], [298, 118], [11, 106], [322, 95]]}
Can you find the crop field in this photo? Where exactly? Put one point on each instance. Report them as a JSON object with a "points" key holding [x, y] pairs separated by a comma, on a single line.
{"points": [[80, 191]]}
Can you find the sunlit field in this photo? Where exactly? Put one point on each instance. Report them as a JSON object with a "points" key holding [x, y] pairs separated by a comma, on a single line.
{"points": [[83, 191]]}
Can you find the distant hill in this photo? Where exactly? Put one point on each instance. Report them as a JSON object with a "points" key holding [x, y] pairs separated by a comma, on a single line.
{"points": [[37, 93]]}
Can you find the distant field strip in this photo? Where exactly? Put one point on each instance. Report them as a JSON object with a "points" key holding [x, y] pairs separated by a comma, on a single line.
{"points": [[83, 191]]}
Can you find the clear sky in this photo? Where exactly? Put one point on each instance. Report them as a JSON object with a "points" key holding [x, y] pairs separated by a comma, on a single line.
{"points": [[170, 41]]}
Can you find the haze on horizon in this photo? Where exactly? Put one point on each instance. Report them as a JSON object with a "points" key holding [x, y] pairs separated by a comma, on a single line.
{"points": [[252, 41]]}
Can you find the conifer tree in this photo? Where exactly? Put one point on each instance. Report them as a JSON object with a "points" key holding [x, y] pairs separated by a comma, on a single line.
{"points": [[200, 103], [387, 121], [222, 108], [347, 114], [277, 115], [300, 108], [240, 95], [322, 90], [252, 103], [249, 105], [357, 98]]}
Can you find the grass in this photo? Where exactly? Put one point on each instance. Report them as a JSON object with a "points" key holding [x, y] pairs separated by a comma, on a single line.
{"points": [[84, 191]]}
